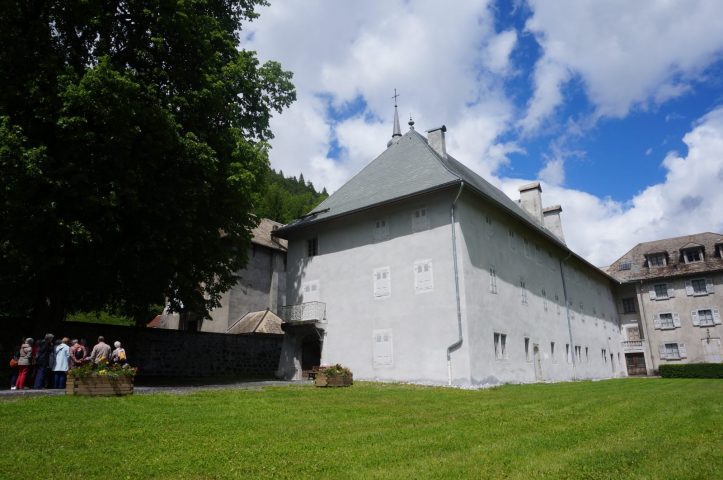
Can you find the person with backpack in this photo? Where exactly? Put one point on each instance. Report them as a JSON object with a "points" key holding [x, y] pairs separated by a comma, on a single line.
{"points": [[101, 351], [119, 354], [78, 352]]}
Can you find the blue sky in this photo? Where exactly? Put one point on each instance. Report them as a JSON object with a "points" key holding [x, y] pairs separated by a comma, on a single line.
{"points": [[616, 106]]}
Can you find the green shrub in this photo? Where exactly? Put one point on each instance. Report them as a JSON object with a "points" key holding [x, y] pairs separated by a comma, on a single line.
{"points": [[692, 370]]}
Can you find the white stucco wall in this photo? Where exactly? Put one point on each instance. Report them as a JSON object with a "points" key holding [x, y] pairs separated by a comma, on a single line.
{"points": [[529, 257], [422, 324]]}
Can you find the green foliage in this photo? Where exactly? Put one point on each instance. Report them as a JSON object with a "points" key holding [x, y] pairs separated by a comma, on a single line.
{"points": [[99, 316], [133, 142], [336, 371], [102, 369], [607, 430], [288, 198], [692, 370]]}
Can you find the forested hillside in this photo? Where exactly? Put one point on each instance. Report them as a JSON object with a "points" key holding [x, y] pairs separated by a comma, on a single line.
{"points": [[287, 198]]}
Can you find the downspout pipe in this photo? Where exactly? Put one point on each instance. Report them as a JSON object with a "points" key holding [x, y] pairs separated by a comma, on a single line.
{"points": [[456, 345], [567, 311]]}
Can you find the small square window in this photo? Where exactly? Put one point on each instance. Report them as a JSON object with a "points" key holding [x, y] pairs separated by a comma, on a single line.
{"points": [[629, 305], [693, 255], [656, 260], [671, 350], [666, 320]]}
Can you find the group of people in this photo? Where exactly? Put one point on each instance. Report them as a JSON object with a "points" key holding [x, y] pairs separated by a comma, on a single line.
{"points": [[45, 364]]}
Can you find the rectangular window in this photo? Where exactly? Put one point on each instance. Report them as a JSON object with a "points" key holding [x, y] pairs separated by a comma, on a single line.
{"points": [[500, 346], [633, 334], [578, 354], [423, 276], [420, 219], [656, 260], [526, 246], [544, 299], [527, 350], [625, 266], [666, 321], [672, 351], [523, 291], [513, 244], [312, 247], [382, 352], [604, 355], [311, 291], [629, 305], [587, 355], [568, 354], [382, 282], [661, 290], [552, 352], [381, 230], [705, 318], [693, 255], [493, 279]]}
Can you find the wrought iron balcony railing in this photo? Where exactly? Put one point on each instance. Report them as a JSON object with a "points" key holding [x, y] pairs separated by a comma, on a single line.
{"points": [[304, 312]]}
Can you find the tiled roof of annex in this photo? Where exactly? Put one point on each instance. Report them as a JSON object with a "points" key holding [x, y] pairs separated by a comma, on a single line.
{"points": [[636, 265]]}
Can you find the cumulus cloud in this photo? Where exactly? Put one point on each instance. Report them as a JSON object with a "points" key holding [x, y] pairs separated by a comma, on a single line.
{"points": [[688, 201], [344, 56], [627, 54]]}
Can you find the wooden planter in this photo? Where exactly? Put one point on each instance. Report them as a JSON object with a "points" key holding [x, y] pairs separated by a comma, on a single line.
{"points": [[322, 380], [96, 385]]}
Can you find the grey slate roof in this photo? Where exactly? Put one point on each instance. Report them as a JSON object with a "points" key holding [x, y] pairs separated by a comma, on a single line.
{"points": [[262, 235], [410, 167], [633, 265]]}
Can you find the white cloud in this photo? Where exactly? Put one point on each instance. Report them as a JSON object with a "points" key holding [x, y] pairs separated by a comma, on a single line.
{"points": [[432, 52], [553, 172], [626, 53], [688, 201]]}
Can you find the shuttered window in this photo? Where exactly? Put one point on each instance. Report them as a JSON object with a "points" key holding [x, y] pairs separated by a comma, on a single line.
{"points": [[382, 351], [423, 276], [382, 282], [420, 219]]}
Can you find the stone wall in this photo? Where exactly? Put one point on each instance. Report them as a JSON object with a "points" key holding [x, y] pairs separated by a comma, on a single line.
{"points": [[158, 352]]}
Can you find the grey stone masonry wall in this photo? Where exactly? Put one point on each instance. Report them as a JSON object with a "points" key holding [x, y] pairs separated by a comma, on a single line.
{"points": [[160, 352]]}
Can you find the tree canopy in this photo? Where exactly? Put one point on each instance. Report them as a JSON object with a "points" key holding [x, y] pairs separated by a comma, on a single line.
{"points": [[285, 199], [133, 140]]}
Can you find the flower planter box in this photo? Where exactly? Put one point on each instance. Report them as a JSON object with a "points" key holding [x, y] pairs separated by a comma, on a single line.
{"points": [[99, 385], [322, 380]]}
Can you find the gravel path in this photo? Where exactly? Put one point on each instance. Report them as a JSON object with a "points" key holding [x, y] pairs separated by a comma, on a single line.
{"points": [[169, 389]]}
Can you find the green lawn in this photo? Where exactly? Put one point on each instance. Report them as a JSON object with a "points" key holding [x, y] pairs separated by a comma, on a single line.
{"points": [[632, 428]]}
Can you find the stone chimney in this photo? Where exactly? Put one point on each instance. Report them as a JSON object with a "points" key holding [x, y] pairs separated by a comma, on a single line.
{"points": [[531, 199], [553, 222], [435, 139]]}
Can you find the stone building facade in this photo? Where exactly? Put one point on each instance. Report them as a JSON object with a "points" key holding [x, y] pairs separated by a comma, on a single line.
{"points": [[670, 299]]}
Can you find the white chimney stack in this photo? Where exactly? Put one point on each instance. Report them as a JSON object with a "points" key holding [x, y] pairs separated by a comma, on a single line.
{"points": [[553, 222], [531, 199], [435, 139]]}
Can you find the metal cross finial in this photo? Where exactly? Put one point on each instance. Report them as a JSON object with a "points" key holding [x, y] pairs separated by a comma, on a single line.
{"points": [[395, 97]]}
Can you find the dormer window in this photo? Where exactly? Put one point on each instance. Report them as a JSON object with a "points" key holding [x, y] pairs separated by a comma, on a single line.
{"points": [[719, 250], [692, 255], [657, 260]]}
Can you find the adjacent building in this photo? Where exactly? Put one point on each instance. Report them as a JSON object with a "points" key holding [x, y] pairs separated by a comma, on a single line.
{"points": [[261, 287], [418, 269], [669, 300]]}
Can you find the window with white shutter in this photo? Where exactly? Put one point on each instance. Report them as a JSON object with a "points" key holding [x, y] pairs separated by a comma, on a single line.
{"points": [[423, 276], [420, 219], [698, 286], [706, 317], [661, 291], [382, 351], [382, 282], [311, 291]]}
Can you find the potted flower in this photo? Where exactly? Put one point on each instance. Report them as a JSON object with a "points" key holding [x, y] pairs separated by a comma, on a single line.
{"points": [[101, 379], [334, 376]]}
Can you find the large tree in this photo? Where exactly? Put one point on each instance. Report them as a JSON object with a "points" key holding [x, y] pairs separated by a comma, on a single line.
{"points": [[132, 144]]}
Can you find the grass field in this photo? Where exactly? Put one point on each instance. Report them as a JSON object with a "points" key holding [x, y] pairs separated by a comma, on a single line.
{"points": [[631, 428]]}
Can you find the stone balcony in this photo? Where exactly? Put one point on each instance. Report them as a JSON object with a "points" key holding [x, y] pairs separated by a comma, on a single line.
{"points": [[304, 313], [633, 346]]}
